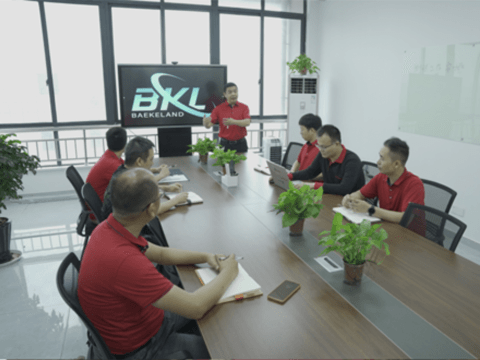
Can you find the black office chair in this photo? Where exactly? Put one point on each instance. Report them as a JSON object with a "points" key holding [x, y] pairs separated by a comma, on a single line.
{"points": [[291, 154], [93, 201], [76, 180], [438, 196], [67, 284], [434, 224], [369, 171]]}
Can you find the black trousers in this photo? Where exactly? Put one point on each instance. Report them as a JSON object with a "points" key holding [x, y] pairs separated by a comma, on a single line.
{"points": [[239, 145]]}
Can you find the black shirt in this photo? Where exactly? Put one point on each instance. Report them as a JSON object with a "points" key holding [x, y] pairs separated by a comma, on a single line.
{"points": [[341, 177]]}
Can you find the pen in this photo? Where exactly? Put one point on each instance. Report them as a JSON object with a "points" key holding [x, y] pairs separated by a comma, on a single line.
{"points": [[236, 258]]}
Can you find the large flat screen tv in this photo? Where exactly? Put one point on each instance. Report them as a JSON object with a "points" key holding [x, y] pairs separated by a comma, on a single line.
{"points": [[168, 95]]}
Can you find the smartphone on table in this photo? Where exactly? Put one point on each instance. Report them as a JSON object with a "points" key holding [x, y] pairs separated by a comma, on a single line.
{"points": [[284, 291]]}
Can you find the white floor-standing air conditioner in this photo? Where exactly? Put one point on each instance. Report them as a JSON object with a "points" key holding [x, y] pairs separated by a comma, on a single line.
{"points": [[272, 149], [303, 98]]}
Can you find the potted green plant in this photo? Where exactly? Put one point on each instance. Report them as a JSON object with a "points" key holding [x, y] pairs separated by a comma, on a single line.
{"points": [[226, 159], [14, 163], [203, 147], [298, 205], [353, 242], [302, 64]]}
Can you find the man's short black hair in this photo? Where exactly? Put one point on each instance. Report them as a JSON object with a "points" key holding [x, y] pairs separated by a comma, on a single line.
{"points": [[116, 138], [398, 148], [131, 196], [227, 85], [138, 147], [310, 121], [331, 131]]}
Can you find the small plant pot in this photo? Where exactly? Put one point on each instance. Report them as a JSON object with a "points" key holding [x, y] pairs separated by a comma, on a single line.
{"points": [[230, 180], [203, 158], [5, 236], [224, 170], [297, 228], [353, 273]]}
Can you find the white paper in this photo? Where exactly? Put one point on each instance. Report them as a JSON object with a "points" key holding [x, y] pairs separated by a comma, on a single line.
{"points": [[242, 284], [173, 178], [354, 217]]}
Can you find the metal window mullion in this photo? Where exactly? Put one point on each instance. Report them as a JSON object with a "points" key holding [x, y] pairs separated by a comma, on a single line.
{"points": [[163, 35], [262, 58], [58, 153], [48, 62]]}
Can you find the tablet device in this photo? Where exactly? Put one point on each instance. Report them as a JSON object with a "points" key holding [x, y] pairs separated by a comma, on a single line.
{"points": [[284, 291], [280, 175]]}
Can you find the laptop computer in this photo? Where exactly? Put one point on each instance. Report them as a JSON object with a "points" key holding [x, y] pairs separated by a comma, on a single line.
{"points": [[279, 174]]}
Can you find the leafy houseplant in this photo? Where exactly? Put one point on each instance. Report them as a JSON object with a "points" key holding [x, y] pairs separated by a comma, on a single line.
{"points": [[302, 64], [14, 163], [353, 243], [226, 157], [298, 205], [203, 147]]}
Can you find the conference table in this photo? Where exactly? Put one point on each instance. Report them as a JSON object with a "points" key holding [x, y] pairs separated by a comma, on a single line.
{"points": [[423, 301]]}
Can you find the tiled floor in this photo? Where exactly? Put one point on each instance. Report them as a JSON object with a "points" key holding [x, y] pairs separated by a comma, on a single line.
{"points": [[35, 322]]}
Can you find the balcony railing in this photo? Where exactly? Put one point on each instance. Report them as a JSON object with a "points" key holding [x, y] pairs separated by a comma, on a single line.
{"points": [[86, 150]]}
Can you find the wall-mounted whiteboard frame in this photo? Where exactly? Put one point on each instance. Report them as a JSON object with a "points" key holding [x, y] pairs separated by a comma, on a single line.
{"points": [[440, 92]]}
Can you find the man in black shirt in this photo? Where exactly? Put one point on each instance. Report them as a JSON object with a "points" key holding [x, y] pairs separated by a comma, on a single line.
{"points": [[341, 168]]}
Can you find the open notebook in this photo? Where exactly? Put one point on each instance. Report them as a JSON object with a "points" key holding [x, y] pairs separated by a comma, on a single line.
{"points": [[354, 217], [242, 287], [193, 198]]}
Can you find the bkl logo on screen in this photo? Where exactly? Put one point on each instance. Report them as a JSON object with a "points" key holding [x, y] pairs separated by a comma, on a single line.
{"points": [[146, 99]]}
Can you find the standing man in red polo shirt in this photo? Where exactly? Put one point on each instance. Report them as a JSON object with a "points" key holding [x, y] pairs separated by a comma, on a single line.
{"points": [[341, 168], [394, 186], [233, 118]]}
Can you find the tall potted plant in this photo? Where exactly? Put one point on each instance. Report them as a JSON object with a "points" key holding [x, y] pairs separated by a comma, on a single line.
{"points": [[353, 242], [298, 205], [302, 64], [203, 147], [14, 163]]}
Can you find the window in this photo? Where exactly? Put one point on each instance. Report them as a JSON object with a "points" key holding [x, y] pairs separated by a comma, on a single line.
{"points": [[24, 91], [246, 4], [241, 54], [187, 47], [295, 6], [136, 38], [281, 45], [76, 53]]}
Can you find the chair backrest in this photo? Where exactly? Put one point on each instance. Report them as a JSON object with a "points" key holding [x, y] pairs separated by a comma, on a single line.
{"points": [[156, 229], [434, 224], [293, 149], [369, 170], [93, 201], [76, 180], [438, 196], [67, 284]]}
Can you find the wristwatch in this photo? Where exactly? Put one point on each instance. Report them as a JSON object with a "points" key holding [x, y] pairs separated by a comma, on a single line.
{"points": [[371, 210]]}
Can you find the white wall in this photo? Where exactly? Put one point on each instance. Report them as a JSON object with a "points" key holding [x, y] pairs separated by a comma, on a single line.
{"points": [[358, 46]]}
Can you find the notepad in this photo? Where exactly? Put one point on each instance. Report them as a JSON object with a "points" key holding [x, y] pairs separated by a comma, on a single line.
{"points": [[354, 217], [264, 169], [176, 175], [193, 198], [243, 286]]}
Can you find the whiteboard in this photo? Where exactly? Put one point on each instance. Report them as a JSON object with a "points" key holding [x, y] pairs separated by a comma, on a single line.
{"points": [[440, 93]]}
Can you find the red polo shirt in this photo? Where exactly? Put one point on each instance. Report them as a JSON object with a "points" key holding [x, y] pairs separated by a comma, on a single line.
{"points": [[308, 152], [101, 173], [239, 111], [408, 188], [117, 285]]}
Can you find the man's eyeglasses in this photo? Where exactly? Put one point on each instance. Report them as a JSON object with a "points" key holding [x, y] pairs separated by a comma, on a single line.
{"points": [[323, 147]]}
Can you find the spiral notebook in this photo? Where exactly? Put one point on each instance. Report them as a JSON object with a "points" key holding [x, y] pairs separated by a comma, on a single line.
{"points": [[193, 198]]}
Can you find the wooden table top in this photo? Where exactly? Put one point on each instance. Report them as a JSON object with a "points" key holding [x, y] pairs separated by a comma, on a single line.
{"points": [[318, 321]]}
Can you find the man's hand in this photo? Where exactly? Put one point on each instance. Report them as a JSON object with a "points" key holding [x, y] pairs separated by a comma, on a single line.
{"points": [[360, 206], [164, 172], [181, 198], [227, 264], [299, 185], [270, 180], [213, 261], [347, 201], [174, 188], [156, 170], [207, 122], [228, 121]]}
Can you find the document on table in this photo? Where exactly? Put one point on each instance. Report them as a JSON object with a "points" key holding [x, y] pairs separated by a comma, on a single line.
{"points": [[354, 217], [242, 287], [193, 198]]}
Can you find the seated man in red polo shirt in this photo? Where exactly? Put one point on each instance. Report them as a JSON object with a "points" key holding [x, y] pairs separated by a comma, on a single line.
{"points": [[394, 186], [136, 310], [101, 173], [309, 125], [233, 118], [341, 168]]}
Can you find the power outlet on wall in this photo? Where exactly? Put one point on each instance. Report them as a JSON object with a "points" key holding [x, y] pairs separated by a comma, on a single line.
{"points": [[458, 211]]}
